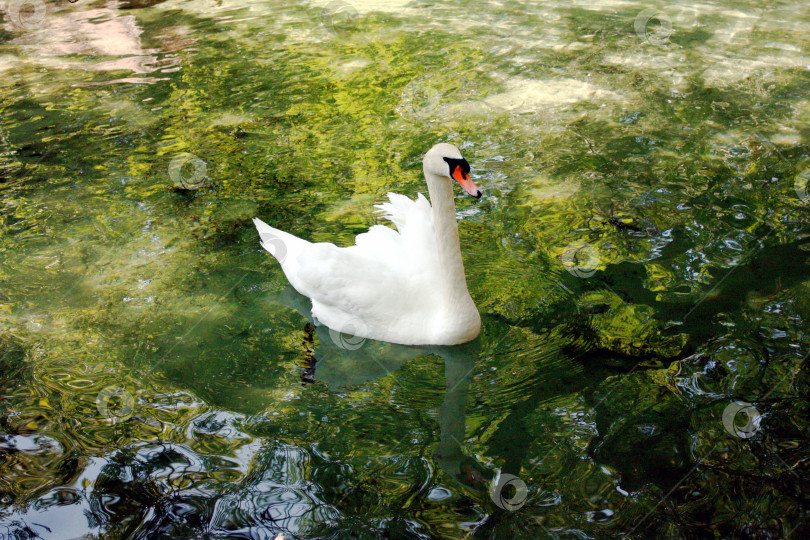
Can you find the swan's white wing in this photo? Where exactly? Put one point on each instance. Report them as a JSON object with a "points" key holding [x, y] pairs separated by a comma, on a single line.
{"points": [[355, 293], [401, 210], [380, 282], [381, 286], [380, 242], [417, 238]]}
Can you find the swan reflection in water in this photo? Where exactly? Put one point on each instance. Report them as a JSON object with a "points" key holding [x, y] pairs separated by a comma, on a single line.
{"points": [[341, 364]]}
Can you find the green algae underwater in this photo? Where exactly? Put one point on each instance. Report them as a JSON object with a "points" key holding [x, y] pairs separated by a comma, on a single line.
{"points": [[639, 259]]}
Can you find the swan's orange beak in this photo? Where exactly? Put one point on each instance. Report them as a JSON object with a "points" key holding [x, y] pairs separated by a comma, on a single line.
{"points": [[466, 182]]}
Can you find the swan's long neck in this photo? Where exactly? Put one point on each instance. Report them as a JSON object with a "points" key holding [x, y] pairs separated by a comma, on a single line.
{"points": [[444, 222]]}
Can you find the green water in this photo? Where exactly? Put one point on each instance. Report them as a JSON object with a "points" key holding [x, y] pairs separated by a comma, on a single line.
{"points": [[639, 259]]}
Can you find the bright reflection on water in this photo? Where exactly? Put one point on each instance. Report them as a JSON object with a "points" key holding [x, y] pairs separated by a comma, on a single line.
{"points": [[639, 259]]}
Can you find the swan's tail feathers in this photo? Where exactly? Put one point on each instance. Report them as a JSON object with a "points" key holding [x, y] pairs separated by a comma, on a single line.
{"points": [[278, 243], [285, 248], [401, 208]]}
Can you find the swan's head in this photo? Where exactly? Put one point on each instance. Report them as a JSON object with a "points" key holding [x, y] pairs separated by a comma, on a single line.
{"points": [[444, 160]]}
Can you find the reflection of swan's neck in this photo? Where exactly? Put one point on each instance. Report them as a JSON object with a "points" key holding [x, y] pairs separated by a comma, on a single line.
{"points": [[453, 282], [457, 372]]}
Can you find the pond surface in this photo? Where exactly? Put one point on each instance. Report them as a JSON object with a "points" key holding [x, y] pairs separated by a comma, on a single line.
{"points": [[639, 259]]}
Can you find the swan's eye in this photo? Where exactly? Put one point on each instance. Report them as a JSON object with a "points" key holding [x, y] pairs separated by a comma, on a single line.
{"points": [[459, 168]]}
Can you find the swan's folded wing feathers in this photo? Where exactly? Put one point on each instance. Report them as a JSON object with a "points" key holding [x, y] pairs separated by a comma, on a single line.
{"points": [[346, 285], [419, 238], [344, 277], [401, 210], [395, 211], [413, 248], [380, 242]]}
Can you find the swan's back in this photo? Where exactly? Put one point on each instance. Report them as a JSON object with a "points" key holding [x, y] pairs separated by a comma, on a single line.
{"points": [[376, 288]]}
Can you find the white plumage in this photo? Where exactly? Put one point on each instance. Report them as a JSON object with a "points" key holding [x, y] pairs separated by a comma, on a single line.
{"points": [[405, 286]]}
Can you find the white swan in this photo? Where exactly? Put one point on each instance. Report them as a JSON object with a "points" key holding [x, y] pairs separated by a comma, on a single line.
{"points": [[404, 287]]}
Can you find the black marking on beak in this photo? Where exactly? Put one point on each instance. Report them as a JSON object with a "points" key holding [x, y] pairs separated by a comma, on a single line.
{"points": [[457, 162]]}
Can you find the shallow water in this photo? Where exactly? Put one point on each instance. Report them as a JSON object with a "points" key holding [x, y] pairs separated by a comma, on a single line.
{"points": [[639, 259]]}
